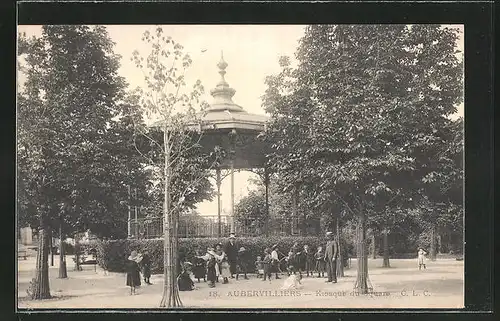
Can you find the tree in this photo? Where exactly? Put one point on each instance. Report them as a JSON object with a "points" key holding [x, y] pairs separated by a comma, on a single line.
{"points": [[250, 211], [70, 157], [360, 116], [166, 98]]}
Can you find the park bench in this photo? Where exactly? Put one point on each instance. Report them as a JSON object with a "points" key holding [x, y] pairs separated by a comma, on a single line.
{"points": [[84, 261], [90, 262], [22, 254]]}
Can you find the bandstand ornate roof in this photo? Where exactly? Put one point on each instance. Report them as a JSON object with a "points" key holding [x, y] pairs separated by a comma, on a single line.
{"points": [[224, 122]]}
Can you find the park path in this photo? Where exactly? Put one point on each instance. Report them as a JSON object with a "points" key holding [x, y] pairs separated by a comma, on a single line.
{"points": [[402, 286]]}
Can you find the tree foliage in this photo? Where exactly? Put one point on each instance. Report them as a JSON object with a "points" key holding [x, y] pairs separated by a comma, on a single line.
{"points": [[75, 158], [361, 122]]}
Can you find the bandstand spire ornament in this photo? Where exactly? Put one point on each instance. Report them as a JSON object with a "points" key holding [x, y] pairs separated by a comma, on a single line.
{"points": [[223, 93]]}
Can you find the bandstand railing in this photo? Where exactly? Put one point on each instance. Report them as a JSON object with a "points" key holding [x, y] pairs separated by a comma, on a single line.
{"points": [[208, 226]]}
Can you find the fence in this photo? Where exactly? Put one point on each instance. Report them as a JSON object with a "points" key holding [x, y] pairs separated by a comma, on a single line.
{"points": [[208, 226]]}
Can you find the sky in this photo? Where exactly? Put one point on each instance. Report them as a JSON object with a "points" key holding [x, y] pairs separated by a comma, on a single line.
{"points": [[251, 51]]}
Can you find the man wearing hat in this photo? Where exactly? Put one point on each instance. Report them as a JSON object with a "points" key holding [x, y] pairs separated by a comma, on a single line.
{"points": [[231, 251], [331, 254]]}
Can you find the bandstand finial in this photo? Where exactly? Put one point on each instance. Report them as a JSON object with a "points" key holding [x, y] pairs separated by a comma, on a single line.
{"points": [[222, 69], [223, 93]]}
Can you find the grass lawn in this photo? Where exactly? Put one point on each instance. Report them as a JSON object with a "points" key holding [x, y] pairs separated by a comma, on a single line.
{"points": [[401, 286]]}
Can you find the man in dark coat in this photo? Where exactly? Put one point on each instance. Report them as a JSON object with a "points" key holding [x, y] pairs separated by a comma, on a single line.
{"points": [[231, 251], [331, 254]]}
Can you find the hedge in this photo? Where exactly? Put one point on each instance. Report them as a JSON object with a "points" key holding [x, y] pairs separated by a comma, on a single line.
{"points": [[112, 255]]}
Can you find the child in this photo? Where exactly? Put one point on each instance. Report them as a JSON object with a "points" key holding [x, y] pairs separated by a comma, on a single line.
{"points": [[421, 258], [275, 261], [320, 262], [222, 263], [241, 263], [199, 269], [291, 265], [210, 260], [308, 260], [292, 282], [146, 268], [259, 265], [267, 265], [184, 279]]}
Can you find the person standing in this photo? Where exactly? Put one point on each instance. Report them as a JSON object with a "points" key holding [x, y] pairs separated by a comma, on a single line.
{"points": [[296, 259], [307, 260], [231, 251], [133, 271], [275, 261], [211, 273], [242, 263], [223, 264], [146, 268], [421, 258], [267, 265], [199, 267], [320, 262], [331, 254]]}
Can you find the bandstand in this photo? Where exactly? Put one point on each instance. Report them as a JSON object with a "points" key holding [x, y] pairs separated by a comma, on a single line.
{"points": [[228, 125]]}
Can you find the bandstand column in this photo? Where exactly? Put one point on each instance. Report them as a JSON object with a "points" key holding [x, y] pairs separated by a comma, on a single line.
{"points": [[218, 182], [232, 195]]}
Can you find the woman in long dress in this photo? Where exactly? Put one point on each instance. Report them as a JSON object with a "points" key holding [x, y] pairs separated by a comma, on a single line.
{"points": [[223, 263], [133, 271]]}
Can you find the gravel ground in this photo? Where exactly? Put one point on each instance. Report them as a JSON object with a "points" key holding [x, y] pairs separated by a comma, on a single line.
{"points": [[401, 286]]}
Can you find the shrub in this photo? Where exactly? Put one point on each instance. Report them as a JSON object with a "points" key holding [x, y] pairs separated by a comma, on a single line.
{"points": [[112, 255]]}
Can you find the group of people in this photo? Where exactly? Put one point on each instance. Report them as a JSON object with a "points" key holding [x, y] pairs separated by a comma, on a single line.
{"points": [[138, 263], [224, 262], [301, 261], [220, 263], [228, 262]]}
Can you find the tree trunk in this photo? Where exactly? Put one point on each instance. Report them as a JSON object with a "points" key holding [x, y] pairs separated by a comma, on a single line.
{"points": [[433, 243], [51, 239], [268, 218], [136, 227], [63, 273], [373, 245], [361, 285], [129, 221], [40, 287], [439, 244], [386, 263], [170, 297], [340, 260], [77, 254]]}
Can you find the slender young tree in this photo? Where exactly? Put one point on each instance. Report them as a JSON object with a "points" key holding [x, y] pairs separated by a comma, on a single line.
{"points": [[175, 107]]}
